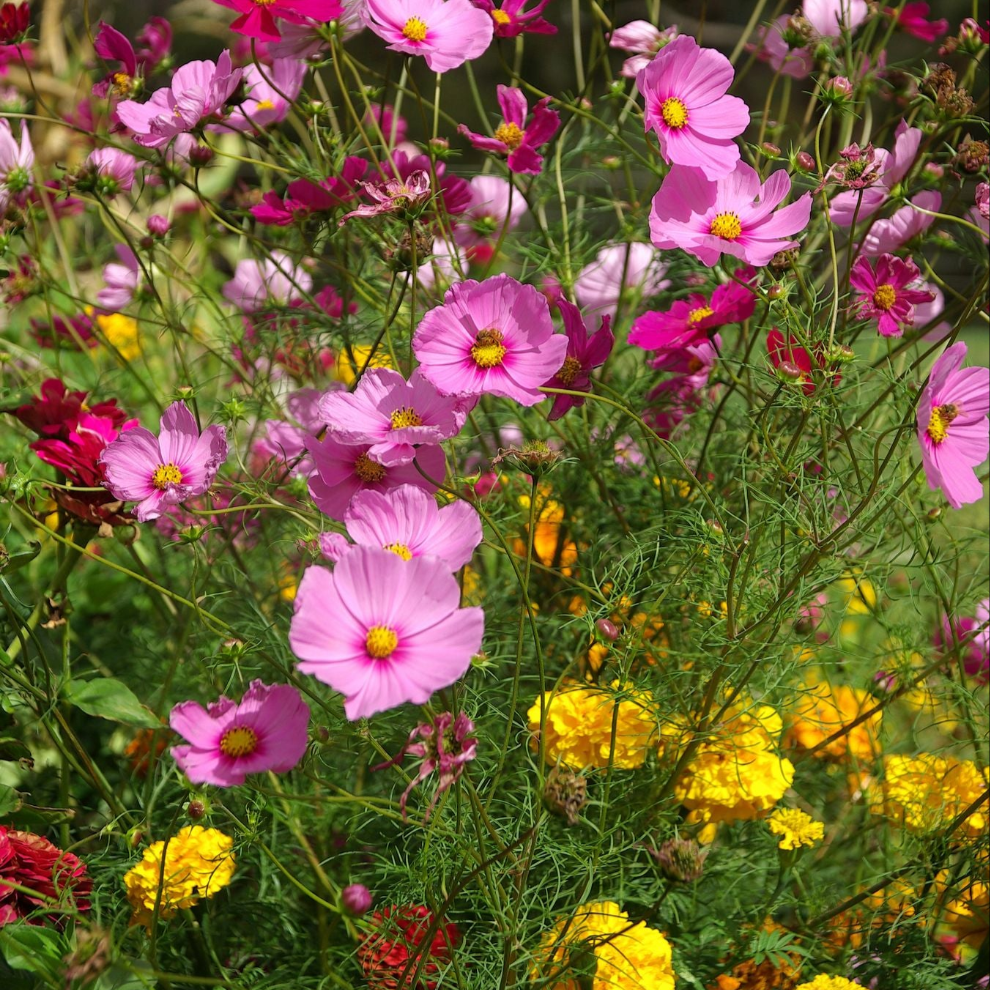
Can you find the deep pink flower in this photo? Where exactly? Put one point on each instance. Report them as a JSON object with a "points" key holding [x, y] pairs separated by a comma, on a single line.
{"points": [[830, 18], [408, 521], [395, 632], [155, 39], [343, 470], [979, 214], [392, 415], [274, 281], [393, 126], [447, 33], [512, 137], [257, 18], [618, 272], [952, 426], [511, 19], [692, 362], [695, 122], [493, 209], [303, 198], [886, 294], [112, 46], [16, 161], [266, 730], [789, 355], [197, 93], [14, 22], [447, 745], [888, 235], [408, 195], [55, 411], [689, 320], [157, 472], [453, 192], [121, 280], [585, 352], [785, 48], [644, 40], [494, 336], [732, 215], [974, 631], [270, 92], [111, 171], [913, 19]]}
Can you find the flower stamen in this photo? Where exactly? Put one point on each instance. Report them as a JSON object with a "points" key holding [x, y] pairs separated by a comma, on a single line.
{"points": [[380, 642], [239, 741], [488, 350], [699, 314], [165, 475], [405, 416], [674, 113], [569, 371], [727, 226], [939, 420], [415, 29], [511, 135], [367, 469], [884, 296], [399, 549]]}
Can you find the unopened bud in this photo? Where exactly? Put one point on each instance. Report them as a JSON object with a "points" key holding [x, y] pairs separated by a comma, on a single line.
{"points": [[195, 810], [565, 794], [770, 150], [200, 155], [788, 371], [680, 859], [841, 354], [607, 629], [776, 291], [356, 899], [933, 515], [841, 86], [158, 226], [805, 162]]}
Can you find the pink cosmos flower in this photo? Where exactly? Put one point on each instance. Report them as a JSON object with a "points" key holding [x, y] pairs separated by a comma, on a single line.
{"points": [[445, 263], [392, 415], [270, 92], [266, 730], [395, 633], [343, 470], [16, 161], [393, 125], [157, 472], [197, 93], [886, 236], [494, 336], [493, 209], [732, 215], [402, 196], [257, 18], [408, 521], [303, 198], [979, 214], [794, 360], [121, 280], [447, 745], [830, 18], [693, 362], [275, 281], [912, 18], [585, 352], [695, 122], [975, 630], [952, 426], [111, 170], [785, 48], [619, 271], [511, 19], [285, 441], [453, 194], [512, 137], [447, 33], [643, 40], [689, 320], [886, 294]]}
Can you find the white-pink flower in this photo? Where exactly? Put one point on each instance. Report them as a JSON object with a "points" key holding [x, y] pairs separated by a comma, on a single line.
{"points": [[113, 170], [270, 92], [494, 208], [276, 281], [830, 18], [886, 236], [643, 40], [120, 279], [619, 269], [16, 160]]}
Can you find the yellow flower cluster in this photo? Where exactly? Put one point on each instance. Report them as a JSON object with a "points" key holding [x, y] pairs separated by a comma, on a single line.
{"points": [[824, 710], [823, 982], [601, 942], [966, 906], [795, 828], [579, 725], [198, 862], [926, 792], [736, 773], [121, 332]]}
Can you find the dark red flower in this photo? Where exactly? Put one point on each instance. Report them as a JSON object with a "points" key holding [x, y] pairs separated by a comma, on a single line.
{"points": [[511, 20], [56, 879], [14, 22], [790, 356], [392, 952]]}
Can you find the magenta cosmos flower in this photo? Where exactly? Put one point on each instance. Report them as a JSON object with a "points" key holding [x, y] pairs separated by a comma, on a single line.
{"points": [[270, 92], [257, 18], [695, 122], [197, 93], [952, 426], [784, 47], [382, 630], [157, 472], [585, 352], [494, 336], [512, 137], [343, 470], [886, 295], [732, 215], [392, 414], [512, 20], [447, 33], [912, 18], [408, 521], [266, 730], [110, 171]]}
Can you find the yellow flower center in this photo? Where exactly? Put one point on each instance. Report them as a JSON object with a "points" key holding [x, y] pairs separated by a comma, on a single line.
{"points": [[415, 29], [367, 470], [569, 370], [399, 549], [501, 17], [726, 226], [488, 350], [239, 741], [885, 296], [938, 421], [381, 642], [165, 475], [511, 135], [264, 3], [699, 314], [674, 113], [405, 416], [265, 105]]}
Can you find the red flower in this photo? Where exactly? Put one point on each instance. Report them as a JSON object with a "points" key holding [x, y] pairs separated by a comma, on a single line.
{"points": [[511, 20], [791, 357], [392, 952], [56, 878], [257, 18], [913, 18], [14, 21]]}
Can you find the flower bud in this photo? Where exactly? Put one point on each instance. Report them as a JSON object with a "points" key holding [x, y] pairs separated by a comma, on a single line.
{"points": [[776, 291], [356, 899], [200, 155], [770, 150], [565, 794], [805, 162], [680, 859], [788, 371], [158, 226], [841, 354], [607, 629], [195, 809]]}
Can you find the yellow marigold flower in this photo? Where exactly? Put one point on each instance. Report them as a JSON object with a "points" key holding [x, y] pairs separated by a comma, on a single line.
{"points": [[600, 941], [346, 370], [966, 907], [795, 828], [121, 332], [926, 792], [827, 709], [550, 545], [823, 982], [579, 725], [198, 862], [860, 597]]}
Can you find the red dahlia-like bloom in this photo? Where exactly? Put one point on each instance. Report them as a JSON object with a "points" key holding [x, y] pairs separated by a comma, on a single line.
{"points": [[396, 948], [257, 18], [57, 880], [511, 20]]}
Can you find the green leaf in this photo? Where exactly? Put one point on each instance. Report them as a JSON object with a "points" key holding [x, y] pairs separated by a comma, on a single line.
{"points": [[38, 950], [120, 977], [111, 699], [9, 800]]}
